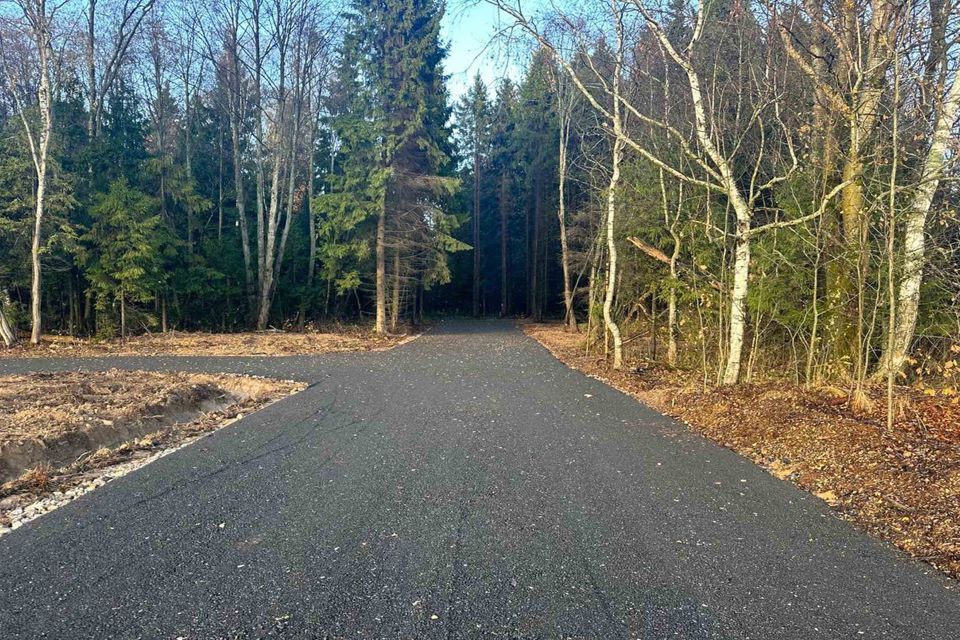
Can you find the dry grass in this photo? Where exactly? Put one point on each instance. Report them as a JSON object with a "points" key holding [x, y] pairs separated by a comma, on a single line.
{"points": [[53, 408], [37, 479], [267, 343], [48, 405]]}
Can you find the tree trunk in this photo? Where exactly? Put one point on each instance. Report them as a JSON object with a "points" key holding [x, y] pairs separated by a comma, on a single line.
{"points": [[35, 286], [44, 95], [123, 316], [395, 296], [476, 230], [504, 246], [312, 242], [7, 334], [92, 100], [608, 320], [672, 304], [220, 186], [914, 246], [381, 322], [311, 224], [535, 308], [164, 326], [738, 297], [570, 318], [591, 308], [672, 327], [241, 204], [267, 272], [527, 256], [188, 157], [845, 288]]}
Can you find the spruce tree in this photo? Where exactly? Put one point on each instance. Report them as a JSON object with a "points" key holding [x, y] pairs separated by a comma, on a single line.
{"points": [[123, 250], [473, 121], [397, 121]]}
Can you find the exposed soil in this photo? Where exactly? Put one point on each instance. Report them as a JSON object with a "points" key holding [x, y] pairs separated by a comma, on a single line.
{"points": [[902, 485], [61, 434], [176, 343]]}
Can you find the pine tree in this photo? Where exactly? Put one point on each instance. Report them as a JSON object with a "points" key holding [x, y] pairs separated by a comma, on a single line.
{"points": [[123, 253], [474, 123], [537, 133], [503, 161], [396, 142]]}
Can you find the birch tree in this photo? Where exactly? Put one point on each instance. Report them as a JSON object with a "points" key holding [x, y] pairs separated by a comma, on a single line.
{"points": [[616, 155], [851, 51], [565, 113], [38, 18], [914, 237], [7, 333], [223, 50], [712, 169]]}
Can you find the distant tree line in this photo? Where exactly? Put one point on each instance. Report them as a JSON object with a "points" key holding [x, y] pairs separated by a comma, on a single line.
{"points": [[744, 188], [224, 165]]}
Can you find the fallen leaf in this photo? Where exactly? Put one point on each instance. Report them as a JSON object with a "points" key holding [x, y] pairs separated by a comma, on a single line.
{"points": [[830, 497]]}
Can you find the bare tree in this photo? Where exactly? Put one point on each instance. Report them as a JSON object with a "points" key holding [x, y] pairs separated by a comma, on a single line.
{"points": [[712, 168], [914, 238], [565, 104], [38, 16], [222, 44], [848, 60], [616, 155], [106, 53]]}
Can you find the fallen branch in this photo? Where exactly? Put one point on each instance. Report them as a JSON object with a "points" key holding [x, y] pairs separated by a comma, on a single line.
{"points": [[660, 256]]}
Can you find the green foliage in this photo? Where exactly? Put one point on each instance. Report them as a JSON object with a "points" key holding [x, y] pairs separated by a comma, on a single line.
{"points": [[123, 247], [342, 248]]}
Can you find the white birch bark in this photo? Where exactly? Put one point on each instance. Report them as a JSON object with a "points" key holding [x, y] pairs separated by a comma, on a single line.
{"points": [[914, 241], [570, 318], [39, 19], [7, 333], [742, 208], [612, 328]]}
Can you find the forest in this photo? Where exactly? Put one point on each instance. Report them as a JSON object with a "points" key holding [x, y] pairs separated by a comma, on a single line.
{"points": [[741, 189]]}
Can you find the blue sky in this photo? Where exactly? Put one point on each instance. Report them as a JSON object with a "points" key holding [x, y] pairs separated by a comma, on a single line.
{"points": [[468, 27]]}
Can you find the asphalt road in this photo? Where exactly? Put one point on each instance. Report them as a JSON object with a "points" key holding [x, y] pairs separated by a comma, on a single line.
{"points": [[464, 485]]}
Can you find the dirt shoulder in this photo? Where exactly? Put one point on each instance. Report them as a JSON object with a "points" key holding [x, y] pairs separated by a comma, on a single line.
{"points": [[62, 434], [177, 343], [901, 485]]}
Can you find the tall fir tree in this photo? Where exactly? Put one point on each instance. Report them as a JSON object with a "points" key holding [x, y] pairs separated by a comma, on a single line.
{"points": [[393, 128], [473, 116]]}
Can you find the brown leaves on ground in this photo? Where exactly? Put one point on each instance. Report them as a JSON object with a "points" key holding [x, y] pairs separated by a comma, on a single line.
{"points": [[177, 343], [37, 479], [902, 485]]}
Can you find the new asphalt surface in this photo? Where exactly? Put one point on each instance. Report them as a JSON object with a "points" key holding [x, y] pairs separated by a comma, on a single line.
{"points": [[464, 485]]}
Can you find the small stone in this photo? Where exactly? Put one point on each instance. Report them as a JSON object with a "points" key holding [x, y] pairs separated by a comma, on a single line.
{"points": [[10, 502]]}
